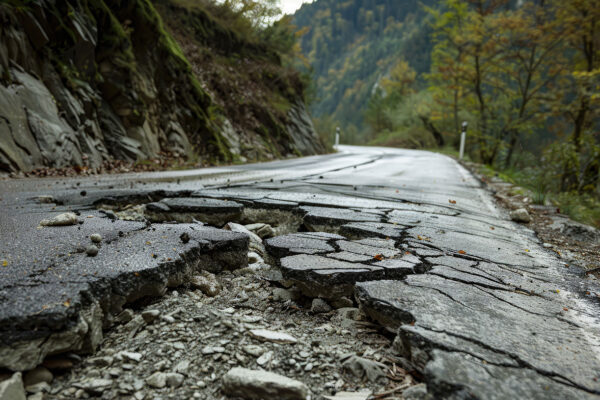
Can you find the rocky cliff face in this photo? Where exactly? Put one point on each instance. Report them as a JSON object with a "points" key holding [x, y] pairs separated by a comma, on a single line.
{"points": [[82, 83]]}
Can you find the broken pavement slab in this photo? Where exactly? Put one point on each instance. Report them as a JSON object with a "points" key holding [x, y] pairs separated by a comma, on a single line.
{"points": [[65, 306], [328, 277], [326, 265], [188, 209], [478, 322]]}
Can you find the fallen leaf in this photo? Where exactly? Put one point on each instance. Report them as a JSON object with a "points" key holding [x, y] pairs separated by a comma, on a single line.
{"points": [[526, 250], [378, 257], [565, 309], [452, 201], [462, 252], [67, 303], [5, 263], [397, 191], [136, 273], [148, 242], [492, 228]]}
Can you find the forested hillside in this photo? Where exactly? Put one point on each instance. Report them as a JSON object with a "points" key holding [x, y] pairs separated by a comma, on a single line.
{"points": [[92, 85], [351, 45], [524, 75]]}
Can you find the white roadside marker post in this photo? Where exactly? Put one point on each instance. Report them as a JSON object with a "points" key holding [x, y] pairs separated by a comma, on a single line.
{"points": [[337, 137], [463, 138]]}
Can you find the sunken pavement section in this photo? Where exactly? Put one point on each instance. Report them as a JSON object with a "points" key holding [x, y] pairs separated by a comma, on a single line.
{"points": [[480, 308]]}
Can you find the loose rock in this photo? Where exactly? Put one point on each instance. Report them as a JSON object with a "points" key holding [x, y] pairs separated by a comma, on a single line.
{"points": [[46, 199], [254, 258], [157, 380], [362, 368], [320, 306], [91, 251], [125, 316], [37, 375], [174, 379], [207, 283], [520, 215], [12, 388], [363, 395], [64, 219], [265, 358], [253, 350], [265, 231], [272, 336], [184, 237], [417, 392], [250, 384], [282, 295], [94, 385], [96, 238], [130, 356], [39, 387], [150, 316]]}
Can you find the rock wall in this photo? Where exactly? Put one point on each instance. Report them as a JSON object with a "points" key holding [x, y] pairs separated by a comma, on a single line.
{"points": [[82, 83]]}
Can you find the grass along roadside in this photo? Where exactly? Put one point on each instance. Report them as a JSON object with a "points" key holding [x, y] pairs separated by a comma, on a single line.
{"points": [[533, 183]]}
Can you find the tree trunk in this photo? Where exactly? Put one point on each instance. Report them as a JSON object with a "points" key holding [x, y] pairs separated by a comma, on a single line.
{"points": [[511, 148], [437, 135]]}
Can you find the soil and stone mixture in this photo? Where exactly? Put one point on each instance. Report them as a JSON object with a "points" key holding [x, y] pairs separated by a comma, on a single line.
{"points": [[292, 290], [576, 243]]}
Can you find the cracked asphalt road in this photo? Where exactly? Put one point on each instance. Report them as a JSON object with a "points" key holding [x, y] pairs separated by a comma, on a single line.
{"points": [[480, 308]]}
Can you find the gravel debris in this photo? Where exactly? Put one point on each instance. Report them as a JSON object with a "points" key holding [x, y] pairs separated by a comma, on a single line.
{"points": [[207, 283], [185, 342]]}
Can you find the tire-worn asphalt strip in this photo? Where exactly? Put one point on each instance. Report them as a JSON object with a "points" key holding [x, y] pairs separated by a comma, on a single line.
{"points": [[480, 308]]}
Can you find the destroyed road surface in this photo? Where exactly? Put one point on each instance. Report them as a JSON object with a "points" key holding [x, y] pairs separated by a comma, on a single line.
{"points": [[370, 273]]}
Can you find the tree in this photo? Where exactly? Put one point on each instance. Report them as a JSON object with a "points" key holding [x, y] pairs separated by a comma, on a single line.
{"points": [[531, 61], [400, 81], [581, 103], [446, 79]]}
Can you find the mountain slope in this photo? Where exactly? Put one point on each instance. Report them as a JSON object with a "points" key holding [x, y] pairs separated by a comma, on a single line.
{"points": [[352, 44], [82, 83]]}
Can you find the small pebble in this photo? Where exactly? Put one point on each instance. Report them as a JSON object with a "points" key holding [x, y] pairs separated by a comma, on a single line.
{"points": [[96, 238], [150, 315], [320, 306], [184, 237], [91, 251]]}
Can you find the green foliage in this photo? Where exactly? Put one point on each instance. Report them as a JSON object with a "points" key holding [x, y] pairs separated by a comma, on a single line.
{"points": [[352, 44]]}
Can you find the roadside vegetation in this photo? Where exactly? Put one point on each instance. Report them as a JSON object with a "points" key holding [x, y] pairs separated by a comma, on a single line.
{"points": [[526, 79]]}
